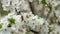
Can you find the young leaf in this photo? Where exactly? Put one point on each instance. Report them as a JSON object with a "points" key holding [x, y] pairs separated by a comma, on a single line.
{"points": [[50, 30], [0, 26], [50, 6], [43, 2], [11, 20]]}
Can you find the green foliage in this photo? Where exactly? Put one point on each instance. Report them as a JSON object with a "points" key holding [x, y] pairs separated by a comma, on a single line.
{"points": [[27, 30], [44, 23], [43, 2], [3, 13], [27, 16], [50, 30], [11, 20], [0, 26], [49, 5]]}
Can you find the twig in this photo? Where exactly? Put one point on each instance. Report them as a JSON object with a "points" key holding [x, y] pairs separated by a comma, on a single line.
{"points": [[31, 7], [17, 12], [50, 7], [34, 31]]}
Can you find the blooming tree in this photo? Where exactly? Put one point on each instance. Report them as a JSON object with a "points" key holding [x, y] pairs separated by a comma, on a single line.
{"points": [[29, 17]]}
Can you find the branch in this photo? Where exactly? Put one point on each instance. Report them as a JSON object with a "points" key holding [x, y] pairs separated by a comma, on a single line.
{"points": [[31, 7]]}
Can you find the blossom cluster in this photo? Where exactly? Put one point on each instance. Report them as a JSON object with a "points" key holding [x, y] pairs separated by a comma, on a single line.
{"points": [[26, 22]]}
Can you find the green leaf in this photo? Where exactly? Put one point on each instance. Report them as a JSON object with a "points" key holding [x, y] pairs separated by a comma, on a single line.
{"points": [[44, 23], [27, 16], [49, 5], [11, 20], [27, 30], [43, 2], [50, 29], [4, 13], [0, 26]]}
